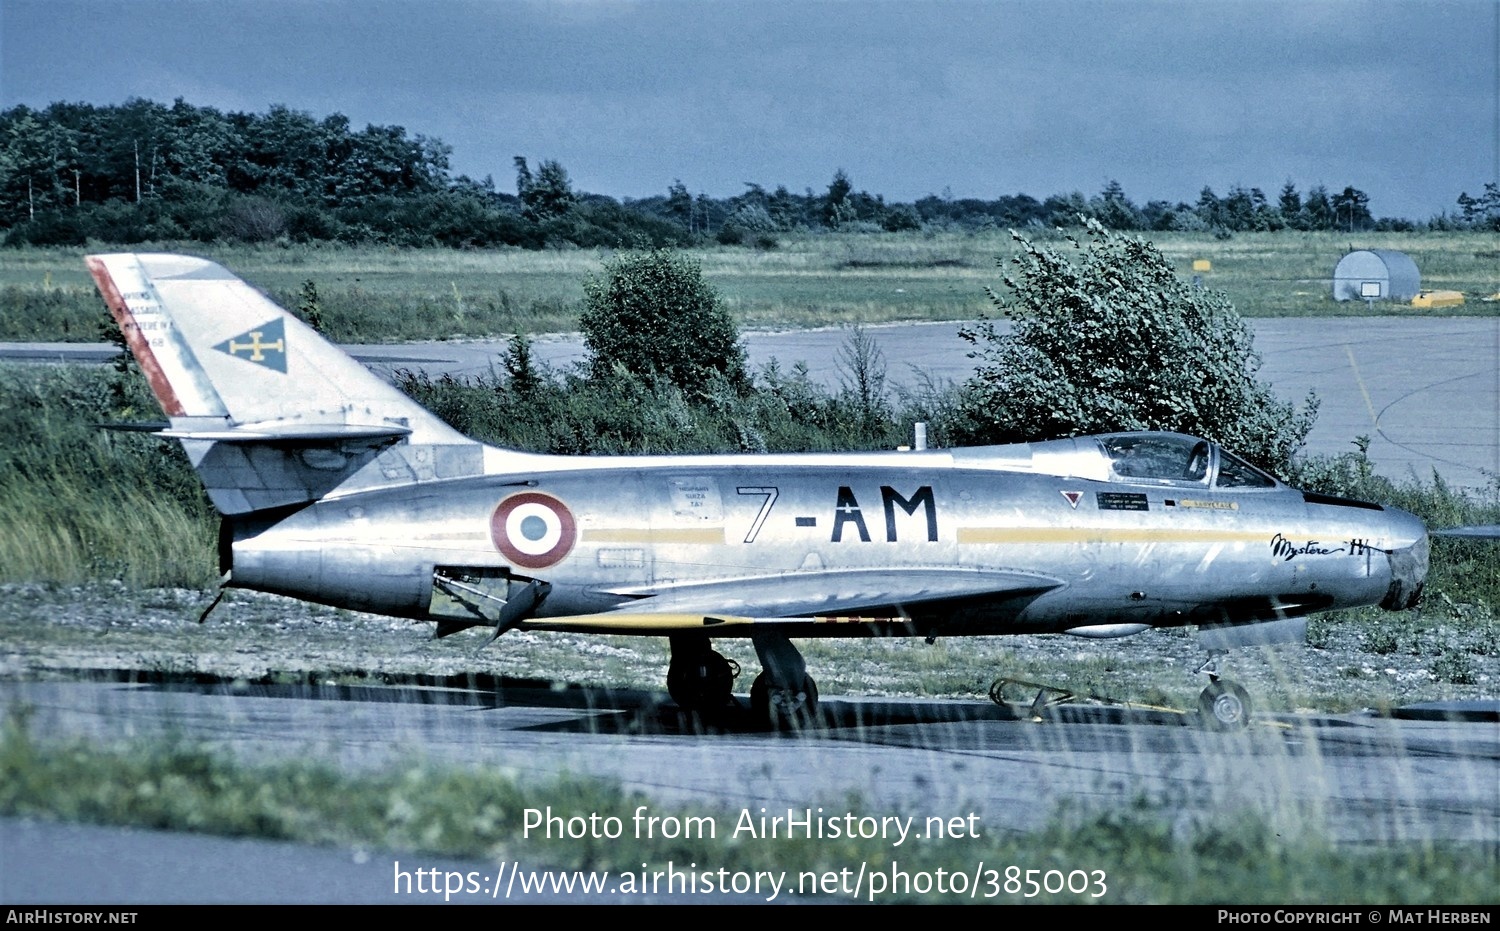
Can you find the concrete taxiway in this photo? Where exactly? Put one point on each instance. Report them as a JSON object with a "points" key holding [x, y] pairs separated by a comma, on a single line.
{"points": [[1358, 779], [1425, 390]]}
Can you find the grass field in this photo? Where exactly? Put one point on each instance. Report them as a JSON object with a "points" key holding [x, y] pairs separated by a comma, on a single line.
{"points": [[373, 294]]}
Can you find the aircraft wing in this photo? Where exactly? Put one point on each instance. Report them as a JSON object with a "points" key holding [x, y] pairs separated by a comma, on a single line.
{"points": [[810, 598]]}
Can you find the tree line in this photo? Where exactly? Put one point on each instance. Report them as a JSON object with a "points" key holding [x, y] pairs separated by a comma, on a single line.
{"points": [[145, 171]]}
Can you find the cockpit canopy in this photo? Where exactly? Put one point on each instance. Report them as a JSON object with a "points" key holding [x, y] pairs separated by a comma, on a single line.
{"points": [[1172, 458], [1143, 458]]}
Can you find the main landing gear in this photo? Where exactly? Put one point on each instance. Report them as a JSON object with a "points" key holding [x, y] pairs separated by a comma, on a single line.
{"points": [[783, 696], [700, 678], [1223, 705]]}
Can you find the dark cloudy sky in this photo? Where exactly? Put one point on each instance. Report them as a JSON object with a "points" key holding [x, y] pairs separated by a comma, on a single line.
{"points": [[1399, 99]]}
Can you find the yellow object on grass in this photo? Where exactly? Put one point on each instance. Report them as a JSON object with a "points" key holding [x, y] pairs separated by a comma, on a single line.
{"points": [[1438, 299]]}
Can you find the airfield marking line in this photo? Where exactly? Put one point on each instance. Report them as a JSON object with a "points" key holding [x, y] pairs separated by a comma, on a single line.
{"points": [[1359, 380]]}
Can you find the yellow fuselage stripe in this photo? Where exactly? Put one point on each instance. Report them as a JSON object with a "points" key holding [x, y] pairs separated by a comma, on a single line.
{"points": [[607, 622], [653, 535], [993, 535]]}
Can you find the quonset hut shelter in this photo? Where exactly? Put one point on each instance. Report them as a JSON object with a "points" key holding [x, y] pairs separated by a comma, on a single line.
{"points": [[1376, 275]]}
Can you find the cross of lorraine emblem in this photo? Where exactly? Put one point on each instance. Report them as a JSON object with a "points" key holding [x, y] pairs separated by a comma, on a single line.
{"points": [[263, 345]]}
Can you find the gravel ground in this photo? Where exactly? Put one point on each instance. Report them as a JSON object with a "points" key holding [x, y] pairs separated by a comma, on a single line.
{"points": [[1371, 660]]}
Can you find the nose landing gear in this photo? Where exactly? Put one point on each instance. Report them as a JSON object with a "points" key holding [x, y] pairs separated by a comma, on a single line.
{"points": [[1223, 705]]}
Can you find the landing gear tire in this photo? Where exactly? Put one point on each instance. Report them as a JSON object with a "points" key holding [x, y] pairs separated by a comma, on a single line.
{"points": [[1224, 706], [783, 708], [703, 683]]}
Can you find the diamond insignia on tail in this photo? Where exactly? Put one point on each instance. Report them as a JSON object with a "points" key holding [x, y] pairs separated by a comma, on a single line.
{"points": [[263, 345]]}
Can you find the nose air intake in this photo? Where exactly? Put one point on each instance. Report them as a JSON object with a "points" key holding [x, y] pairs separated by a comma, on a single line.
{"points": [[1408, 573]]}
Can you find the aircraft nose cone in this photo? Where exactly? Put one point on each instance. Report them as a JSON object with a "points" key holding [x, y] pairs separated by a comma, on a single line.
{"points": [[1408, 556]]}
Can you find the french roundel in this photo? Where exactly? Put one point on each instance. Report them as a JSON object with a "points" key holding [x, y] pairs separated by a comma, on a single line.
{"points": [[533, 530]]}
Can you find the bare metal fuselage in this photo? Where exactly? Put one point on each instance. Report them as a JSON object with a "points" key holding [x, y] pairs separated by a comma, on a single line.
{"points": [[969, 542]]}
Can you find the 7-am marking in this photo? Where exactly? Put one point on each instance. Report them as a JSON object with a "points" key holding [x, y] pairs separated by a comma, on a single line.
{"points": [[771, 493], [847, 511]]}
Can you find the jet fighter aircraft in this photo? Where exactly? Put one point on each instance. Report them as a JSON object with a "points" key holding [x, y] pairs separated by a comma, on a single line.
{"points": [[336, 488]]}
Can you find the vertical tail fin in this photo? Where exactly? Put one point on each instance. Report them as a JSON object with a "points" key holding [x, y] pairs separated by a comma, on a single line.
{"points": [[270, 412], [215, 349]]}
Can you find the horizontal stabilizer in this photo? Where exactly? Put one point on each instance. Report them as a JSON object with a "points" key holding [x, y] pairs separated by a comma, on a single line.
{"points": [[291, 434], [136, 426], [284, 433]]}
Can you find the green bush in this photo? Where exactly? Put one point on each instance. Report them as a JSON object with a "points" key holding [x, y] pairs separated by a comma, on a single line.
{"points": [[652, 315], [1108, 338]]}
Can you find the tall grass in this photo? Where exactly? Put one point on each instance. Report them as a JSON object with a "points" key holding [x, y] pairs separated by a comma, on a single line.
{"points": [[1147, 855], [620, 413], [78, 503], [60, 531]]}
